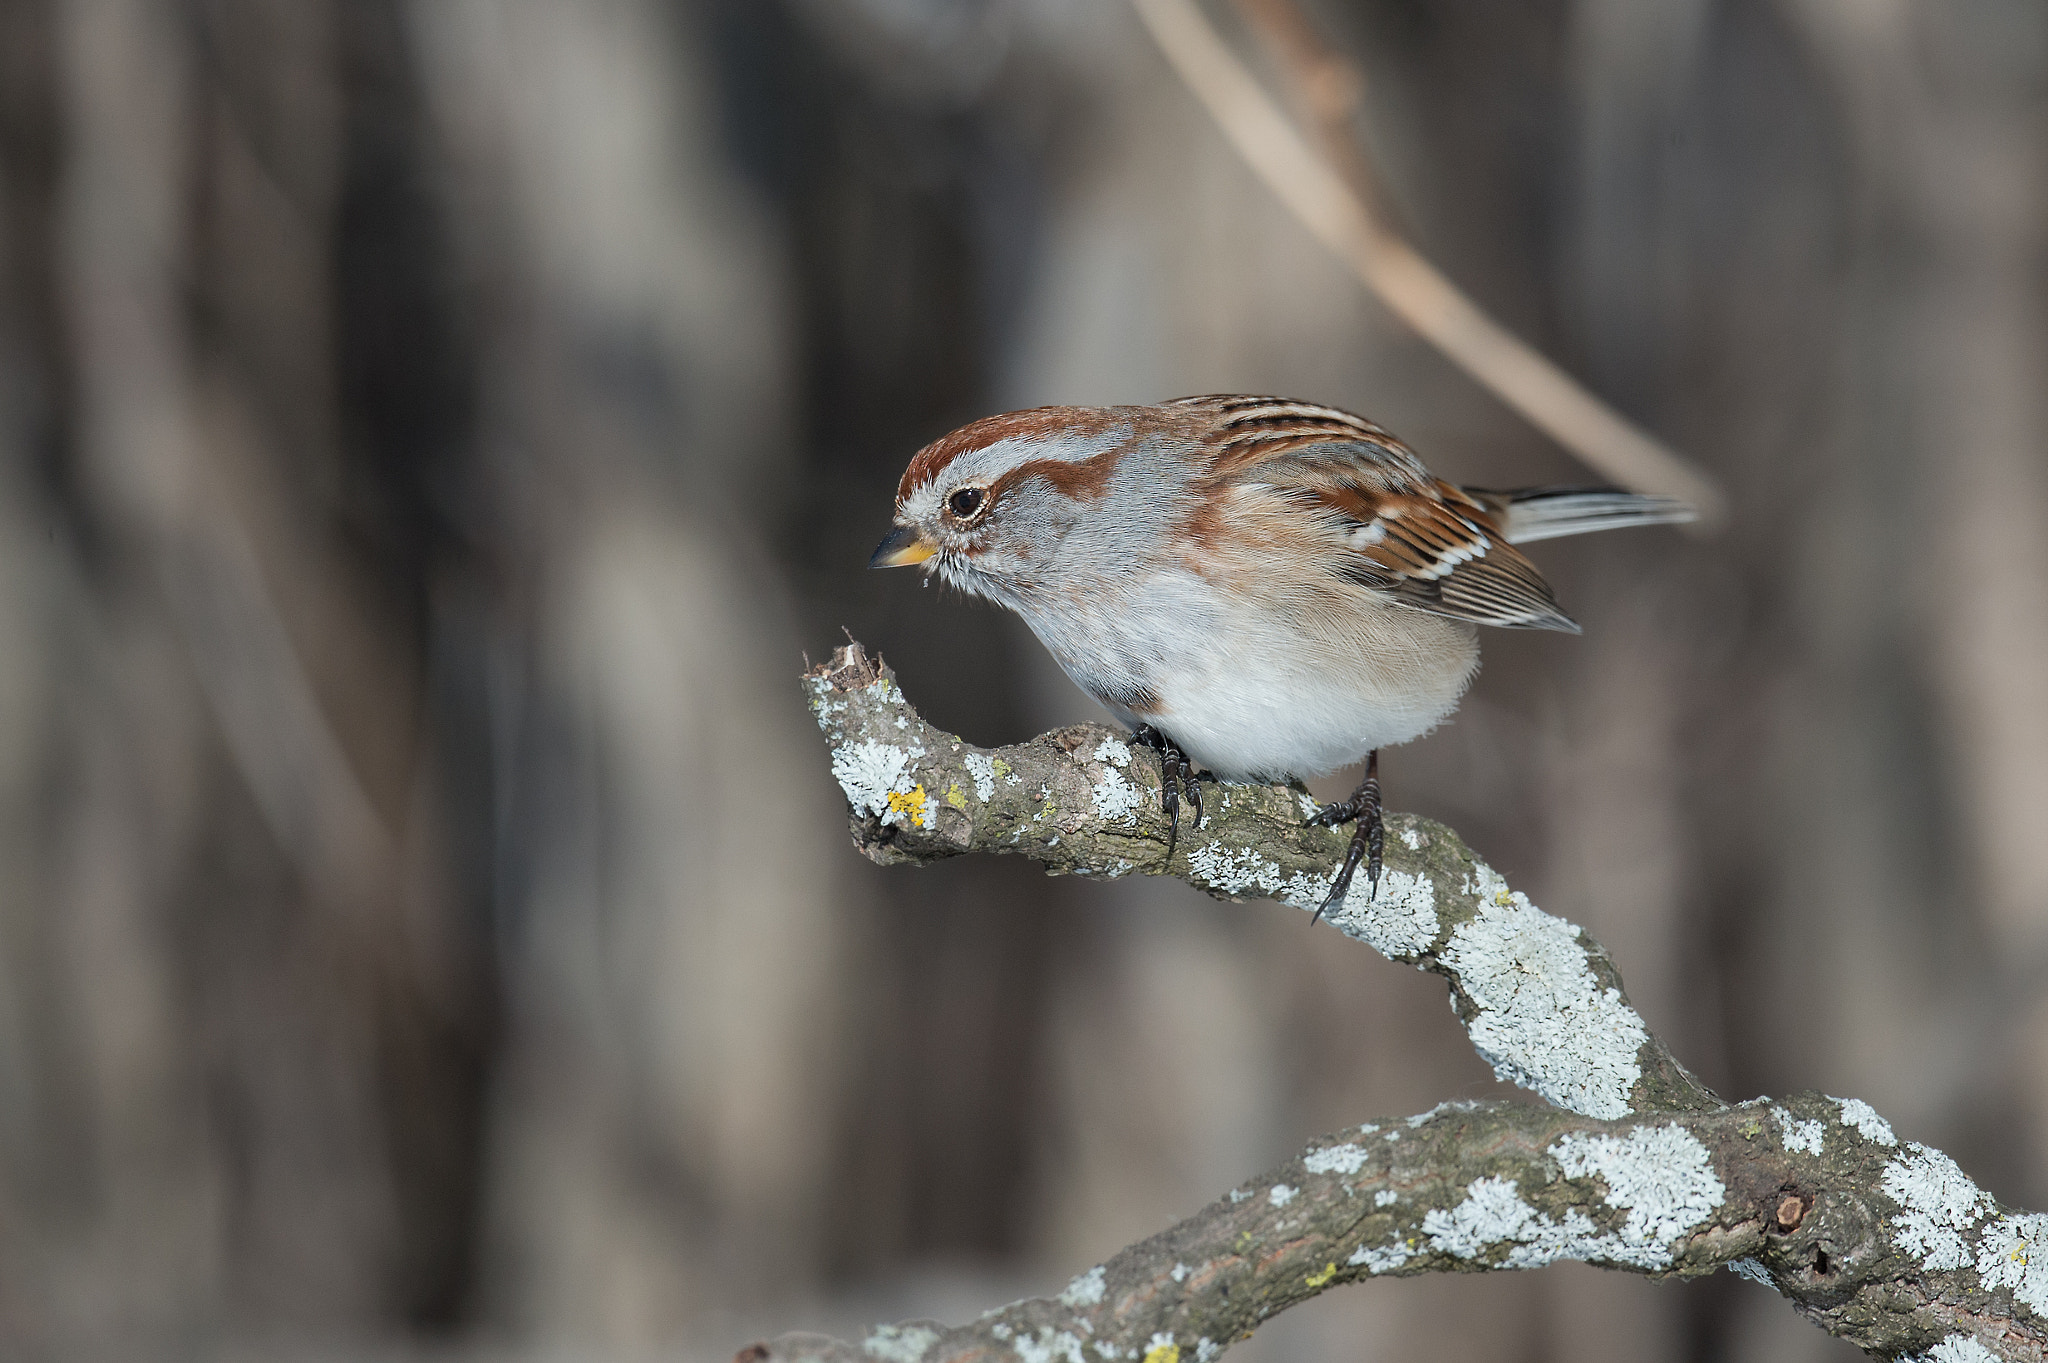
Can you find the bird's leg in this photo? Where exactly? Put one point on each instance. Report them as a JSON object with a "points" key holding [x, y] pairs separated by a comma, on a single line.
{"points": [[1176, 775], [1370, 835]]}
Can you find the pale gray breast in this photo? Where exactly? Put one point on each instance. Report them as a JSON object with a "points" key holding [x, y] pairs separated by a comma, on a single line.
{"points": [[1115, 607]]}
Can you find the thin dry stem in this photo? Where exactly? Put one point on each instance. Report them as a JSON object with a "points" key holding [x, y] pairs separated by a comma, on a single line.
{"points": [[1337, 213]]}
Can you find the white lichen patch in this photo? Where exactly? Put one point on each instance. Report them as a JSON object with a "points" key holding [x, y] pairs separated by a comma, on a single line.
{"points": [[982, 768], [1048, 1346], [824, 698], [1206, 1349], [1661, 1175], [1087, 1289], [1238, 1195], [1107, 1349], [1492, 1212], [1309, 808], [1400, 920], [1446, 1106], [869, 773], [1411, 839], [1385, 1197], [1938, 1206], [1862, 1116], [1544, 1021], [1162, 1349], [1753, 1270], [1799, 1135], [1381, 1258], [1244, 872], [899, 1343], [1179, 1273], [1493, 1216], [1956, 1349], [1335, 1159], [1234, 871], [1116, 799], [1113, 751], [2014, 1254], [1280, 1194]]}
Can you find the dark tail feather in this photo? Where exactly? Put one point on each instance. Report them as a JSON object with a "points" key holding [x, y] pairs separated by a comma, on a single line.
{"points": [[1543, 513]]}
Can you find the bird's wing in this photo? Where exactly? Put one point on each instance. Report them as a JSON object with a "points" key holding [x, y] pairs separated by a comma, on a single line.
{"points": [[1389, 524]]}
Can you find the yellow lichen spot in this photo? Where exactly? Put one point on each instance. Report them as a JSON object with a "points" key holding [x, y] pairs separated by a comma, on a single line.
{"points": [[912, 804], [1503, 898], [999, 766], [955, 798], [1318, 1279], [1163, 1353]]}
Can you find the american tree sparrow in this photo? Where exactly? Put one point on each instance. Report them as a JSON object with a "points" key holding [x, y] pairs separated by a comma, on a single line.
{"points": [[1271, 589]]}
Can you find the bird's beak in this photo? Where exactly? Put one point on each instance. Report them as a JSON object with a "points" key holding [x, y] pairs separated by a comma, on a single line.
{"points": [[904, 547]]}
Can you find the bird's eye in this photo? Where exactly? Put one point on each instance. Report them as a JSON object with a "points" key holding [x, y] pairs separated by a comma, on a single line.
{"points": [[966, 502]]}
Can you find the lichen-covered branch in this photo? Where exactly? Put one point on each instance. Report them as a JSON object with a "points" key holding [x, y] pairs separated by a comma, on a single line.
{"points": [[1542, 1001], [1792, 1193], [1633, 1165]]}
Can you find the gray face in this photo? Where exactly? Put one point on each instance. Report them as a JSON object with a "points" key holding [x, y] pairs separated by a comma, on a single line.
{"points": [[999, 537]]}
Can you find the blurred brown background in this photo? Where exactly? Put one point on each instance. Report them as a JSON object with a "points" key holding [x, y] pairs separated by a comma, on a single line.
{"points": [[431, 431]]}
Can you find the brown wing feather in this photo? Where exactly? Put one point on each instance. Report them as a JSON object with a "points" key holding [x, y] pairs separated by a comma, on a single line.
{"points": [[1436, 550], [1396, 529]]}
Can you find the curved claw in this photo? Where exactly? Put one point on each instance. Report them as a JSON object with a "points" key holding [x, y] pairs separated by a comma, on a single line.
{"points": [[1369, 837], [1169, 800], [1176, 775]]}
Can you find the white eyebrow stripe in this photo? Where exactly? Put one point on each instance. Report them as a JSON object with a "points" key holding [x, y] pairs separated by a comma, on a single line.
{"points": [[1018, 449], [983, 466]]}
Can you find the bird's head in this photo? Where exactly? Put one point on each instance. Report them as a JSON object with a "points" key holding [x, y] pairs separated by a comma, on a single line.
{"points": [[988, 507]]}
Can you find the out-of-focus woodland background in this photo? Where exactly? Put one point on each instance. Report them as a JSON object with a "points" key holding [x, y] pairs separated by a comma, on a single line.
{"points": [[431, 431]]}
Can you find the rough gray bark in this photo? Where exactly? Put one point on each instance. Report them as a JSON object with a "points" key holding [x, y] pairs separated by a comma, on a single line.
{"points": [[1633, 1164]]}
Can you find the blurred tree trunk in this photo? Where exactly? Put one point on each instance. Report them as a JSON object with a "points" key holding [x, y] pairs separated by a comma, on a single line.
{"points": [[247, 1004], [1946, 123]]}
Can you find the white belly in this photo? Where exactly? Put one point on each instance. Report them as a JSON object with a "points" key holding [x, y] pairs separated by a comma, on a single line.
{"points": [[1243, 724], [1279, 691]]}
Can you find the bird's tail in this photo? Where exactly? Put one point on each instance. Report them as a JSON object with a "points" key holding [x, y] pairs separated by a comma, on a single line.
{"points": [[1543, 513]]}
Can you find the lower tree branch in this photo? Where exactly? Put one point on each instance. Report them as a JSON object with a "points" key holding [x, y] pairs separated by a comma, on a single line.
{"points": [[1632, 1164]]}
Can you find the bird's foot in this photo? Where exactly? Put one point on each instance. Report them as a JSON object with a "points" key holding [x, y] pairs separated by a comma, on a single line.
{"points": [[1176, 777], [1369, 836]]}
